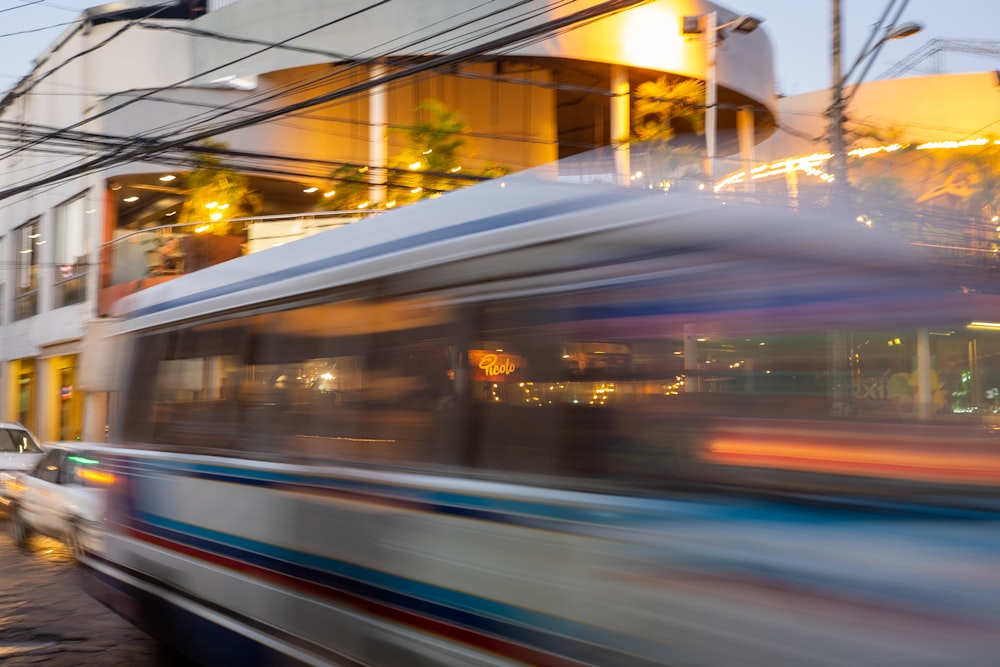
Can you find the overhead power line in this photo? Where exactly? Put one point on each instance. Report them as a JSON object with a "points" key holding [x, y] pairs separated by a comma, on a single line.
{"points": [[146, 148], [935, 47]]}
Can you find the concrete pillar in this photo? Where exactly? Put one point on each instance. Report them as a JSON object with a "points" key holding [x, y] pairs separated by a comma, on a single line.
{"points": [[925, 391], [9, 393], [378, 147], [792, 184], [621, 126], [691, 382], [95, 416], [47, 399], [745, 134]]}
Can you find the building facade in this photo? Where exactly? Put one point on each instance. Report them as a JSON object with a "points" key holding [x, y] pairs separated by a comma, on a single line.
{"points": [[102, 131]]}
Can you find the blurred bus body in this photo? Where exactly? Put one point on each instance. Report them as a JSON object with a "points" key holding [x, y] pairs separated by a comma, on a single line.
{"points": [[553, 424]]}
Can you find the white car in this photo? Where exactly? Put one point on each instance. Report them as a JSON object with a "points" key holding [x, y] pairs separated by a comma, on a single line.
{"points": [[62, 497], [19, 451]]}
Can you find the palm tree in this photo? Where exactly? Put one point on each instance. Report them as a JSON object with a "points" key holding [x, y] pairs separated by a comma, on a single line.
{"points": [[661, 108]]}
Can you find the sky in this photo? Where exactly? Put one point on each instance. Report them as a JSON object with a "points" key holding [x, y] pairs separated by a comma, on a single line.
{"points": [[799, 31]]}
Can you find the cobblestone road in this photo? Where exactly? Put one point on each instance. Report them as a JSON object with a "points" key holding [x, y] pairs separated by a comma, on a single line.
{"points": [[47, 619]]}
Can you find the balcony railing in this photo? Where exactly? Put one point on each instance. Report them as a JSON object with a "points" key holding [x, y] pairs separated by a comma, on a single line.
{"points": [[139, 259]]}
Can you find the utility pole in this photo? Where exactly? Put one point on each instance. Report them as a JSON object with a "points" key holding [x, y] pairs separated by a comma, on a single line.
{"points": [[885, 30], [838, 192]]}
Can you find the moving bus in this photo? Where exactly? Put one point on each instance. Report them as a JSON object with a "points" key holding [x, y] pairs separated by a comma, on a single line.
{"points": [[544, 423]]}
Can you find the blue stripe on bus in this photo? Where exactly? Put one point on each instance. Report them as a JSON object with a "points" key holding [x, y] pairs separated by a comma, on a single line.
{"points": [[556, 635], [489, 223], [614, 510]]}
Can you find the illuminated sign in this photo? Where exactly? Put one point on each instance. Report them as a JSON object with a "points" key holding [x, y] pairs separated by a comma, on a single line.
{"points": [[490, 365], [494, 365]]}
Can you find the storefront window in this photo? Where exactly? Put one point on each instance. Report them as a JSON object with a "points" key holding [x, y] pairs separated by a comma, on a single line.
{"points": [[29, 243], [71, 252]]}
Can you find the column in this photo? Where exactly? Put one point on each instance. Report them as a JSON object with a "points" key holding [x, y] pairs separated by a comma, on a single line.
{"points": [[925, 391], [8, 391], [691, 383], [47, 393], [378, 148], [620, 123], [745, 133], [95, 416]]}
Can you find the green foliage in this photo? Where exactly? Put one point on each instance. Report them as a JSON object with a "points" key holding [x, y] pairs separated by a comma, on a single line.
{"points": [[216, 193], [660, 104], [425, 168], [986, 168], [346, 190], [659, 107]]}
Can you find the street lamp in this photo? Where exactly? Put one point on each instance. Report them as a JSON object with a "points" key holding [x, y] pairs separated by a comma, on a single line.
{"points": [[839, 101], [692, 25]]}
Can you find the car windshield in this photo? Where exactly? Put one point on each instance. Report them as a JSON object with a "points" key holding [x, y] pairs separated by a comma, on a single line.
{"points": [[19, 441]]}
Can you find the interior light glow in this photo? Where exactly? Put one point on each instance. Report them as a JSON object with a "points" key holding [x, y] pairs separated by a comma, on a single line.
{"points": [[96, 476], [167, 178], [984, 325], [312, 189], [131, 199], [201, 229]]}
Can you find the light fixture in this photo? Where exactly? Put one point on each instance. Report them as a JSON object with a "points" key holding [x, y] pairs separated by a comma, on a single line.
{"points": [[416, 165], [167, 178], [131, 199], [312, 189], [329, 193], [904, 30], [746, 24]]}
